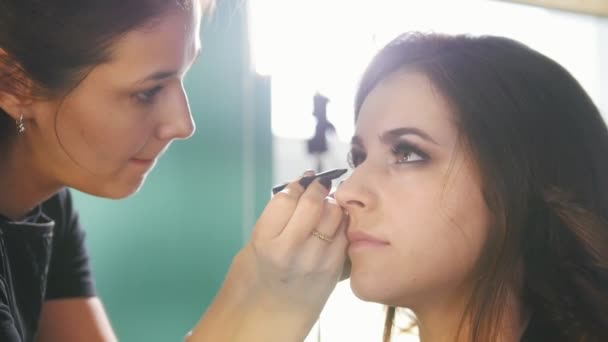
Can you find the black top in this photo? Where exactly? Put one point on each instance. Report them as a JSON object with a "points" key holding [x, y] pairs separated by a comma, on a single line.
{"points": [[534, 333], [42, 257]]}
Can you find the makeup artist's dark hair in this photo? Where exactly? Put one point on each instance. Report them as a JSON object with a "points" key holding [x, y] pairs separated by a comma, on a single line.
{"points": [[542, 148], [49, 45]]}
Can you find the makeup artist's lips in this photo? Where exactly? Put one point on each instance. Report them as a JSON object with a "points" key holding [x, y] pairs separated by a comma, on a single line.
{"points": [[144, 163], [147, 161], [359, 240]]}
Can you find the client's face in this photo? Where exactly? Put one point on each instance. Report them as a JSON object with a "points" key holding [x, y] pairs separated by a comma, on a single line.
{"points": [[418, 220]]}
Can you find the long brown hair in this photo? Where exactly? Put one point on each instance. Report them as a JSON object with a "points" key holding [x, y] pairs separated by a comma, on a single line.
{"points": [[542, 148]]}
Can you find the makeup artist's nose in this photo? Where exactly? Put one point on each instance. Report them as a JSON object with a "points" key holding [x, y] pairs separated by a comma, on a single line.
{"points": [[354, 193], [177, 122]]}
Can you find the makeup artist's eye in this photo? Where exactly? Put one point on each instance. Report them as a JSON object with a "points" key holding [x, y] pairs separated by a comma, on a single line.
{"points": [[147, 96], [408, 153], [355, 158]]}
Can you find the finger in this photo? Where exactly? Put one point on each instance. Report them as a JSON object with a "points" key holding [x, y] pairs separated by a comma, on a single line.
{"points": [[307, 214], [279, 210], [347, 264], [346, 269], [337, 254], [320, 248], [317, 255], [304, 181], [330, 222]]}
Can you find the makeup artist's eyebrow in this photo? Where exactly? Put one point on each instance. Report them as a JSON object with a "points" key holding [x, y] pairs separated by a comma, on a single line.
{"points": [[157, 76], [161, 75], [390, 136]]}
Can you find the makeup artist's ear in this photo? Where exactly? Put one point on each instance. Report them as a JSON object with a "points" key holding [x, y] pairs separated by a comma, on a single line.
{"points": [[13, 105], [15, 87]]}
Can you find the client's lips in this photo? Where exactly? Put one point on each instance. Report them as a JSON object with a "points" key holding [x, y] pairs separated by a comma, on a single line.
{"points": [[359, 237]]}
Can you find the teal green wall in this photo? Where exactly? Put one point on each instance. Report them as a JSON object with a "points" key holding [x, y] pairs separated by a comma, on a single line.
{"points": [[160, 256]]}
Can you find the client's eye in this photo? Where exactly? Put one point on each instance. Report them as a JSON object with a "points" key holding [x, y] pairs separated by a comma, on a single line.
{"points": [[405, 152], [355, 158]]}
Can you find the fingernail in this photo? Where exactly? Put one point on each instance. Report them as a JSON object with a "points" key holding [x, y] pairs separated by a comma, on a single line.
{"points": [[329, 175], [279, 188], [305, 181], [326, 182], [332, 174]]}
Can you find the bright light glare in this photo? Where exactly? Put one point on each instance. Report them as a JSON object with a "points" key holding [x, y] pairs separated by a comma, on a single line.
{"points": [[324, 45]]}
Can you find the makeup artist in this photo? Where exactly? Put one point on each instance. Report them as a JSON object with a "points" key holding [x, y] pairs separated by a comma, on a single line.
{"points": [[84, 105]]}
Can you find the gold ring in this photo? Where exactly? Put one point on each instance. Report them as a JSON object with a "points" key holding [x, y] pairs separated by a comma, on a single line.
{"points": [[322, 236]]}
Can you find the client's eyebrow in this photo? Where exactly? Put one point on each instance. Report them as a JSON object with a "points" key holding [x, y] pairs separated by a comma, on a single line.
{"points": [[390, 136]]}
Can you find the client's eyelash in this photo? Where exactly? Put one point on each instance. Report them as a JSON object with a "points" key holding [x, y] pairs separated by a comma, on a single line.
{"points": [[355, 158], [406, 153]]}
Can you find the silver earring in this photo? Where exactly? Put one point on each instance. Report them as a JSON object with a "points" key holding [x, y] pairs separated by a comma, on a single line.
{"points": [[20, 125]]}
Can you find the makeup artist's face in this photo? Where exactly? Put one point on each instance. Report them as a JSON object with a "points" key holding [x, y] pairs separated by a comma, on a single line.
{"points": [[416, 192], [108, 133]]}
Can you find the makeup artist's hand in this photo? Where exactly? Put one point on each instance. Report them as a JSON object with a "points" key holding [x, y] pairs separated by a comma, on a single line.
{"points": [[294, 265], [280, 281]]}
